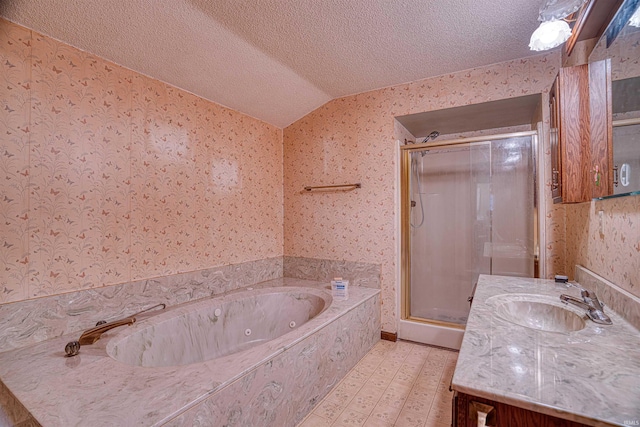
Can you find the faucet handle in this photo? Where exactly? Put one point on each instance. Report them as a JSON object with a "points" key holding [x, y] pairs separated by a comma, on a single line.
{"points": [[591, 298]]}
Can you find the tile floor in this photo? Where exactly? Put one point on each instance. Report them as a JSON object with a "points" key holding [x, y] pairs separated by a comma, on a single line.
{"points": [[399, 384]]}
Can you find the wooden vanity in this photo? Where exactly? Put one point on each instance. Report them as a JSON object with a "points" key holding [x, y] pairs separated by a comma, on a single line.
{"points": [[536, 375]]}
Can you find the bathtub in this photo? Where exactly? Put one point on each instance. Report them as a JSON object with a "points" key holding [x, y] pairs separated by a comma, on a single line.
{"points": [[261, 356], [217, 327]]}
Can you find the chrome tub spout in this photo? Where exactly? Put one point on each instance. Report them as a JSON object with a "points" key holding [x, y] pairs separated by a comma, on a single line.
{"points": [[92, 335]]}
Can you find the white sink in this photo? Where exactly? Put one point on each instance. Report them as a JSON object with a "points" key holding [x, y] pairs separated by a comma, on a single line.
{"points": [[537, 312]]}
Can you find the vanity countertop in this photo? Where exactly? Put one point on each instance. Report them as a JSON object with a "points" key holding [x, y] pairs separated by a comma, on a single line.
{"points": [[591, 376]]}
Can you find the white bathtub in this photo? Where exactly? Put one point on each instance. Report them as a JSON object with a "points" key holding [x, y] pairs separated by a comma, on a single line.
{"points": [[213, 328], [139, 374]]}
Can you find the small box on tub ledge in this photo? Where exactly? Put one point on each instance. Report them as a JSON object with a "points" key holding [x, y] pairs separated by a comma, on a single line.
{"points": [[340, 288]]}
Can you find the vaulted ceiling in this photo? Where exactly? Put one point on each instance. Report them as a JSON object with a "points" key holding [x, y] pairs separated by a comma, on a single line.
{"points": [[277, 60]]}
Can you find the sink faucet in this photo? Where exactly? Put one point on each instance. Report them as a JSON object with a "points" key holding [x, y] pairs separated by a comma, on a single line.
{"points": [[591, 303], [92, 335]]}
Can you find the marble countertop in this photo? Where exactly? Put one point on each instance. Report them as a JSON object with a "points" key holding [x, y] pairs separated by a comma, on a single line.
{"points": [[591, 376], [94, 389]]}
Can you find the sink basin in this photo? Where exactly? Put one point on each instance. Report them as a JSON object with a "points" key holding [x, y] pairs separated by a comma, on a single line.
{"points": [[536, 312]]}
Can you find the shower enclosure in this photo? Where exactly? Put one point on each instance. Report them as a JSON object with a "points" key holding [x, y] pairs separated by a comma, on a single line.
{"points": [[468, 209]]}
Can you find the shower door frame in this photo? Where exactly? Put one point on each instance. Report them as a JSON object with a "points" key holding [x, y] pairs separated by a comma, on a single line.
{"points": [[405, 222]]}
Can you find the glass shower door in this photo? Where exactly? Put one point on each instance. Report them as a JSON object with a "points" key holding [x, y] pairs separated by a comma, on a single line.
{"points": [[472, 213], [452, 186]]}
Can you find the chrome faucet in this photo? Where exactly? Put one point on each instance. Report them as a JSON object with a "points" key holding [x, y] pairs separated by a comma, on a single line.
{"points": [[591, 303], [92, 335]]}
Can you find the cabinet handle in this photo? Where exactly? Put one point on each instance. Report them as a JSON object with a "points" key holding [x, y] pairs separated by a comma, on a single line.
{"points": [[615, 176], [481, 414]]}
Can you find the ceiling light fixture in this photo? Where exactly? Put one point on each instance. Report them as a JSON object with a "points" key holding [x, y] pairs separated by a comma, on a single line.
{"points": [[549, 35], [554, 29]]}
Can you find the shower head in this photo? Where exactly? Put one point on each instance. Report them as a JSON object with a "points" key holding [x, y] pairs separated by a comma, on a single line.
{"points": [[432, 135]]}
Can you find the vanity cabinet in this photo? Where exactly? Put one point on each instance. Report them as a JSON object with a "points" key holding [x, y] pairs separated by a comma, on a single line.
{"points": [[503, 415], [570, 136]]}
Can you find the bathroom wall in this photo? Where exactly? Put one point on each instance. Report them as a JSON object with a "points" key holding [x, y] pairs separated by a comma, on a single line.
{"points": [[109, 176], [612, 251], [352, 139]]}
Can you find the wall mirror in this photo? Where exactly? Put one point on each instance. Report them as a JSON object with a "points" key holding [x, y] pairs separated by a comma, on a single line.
{"points": [[620, 43]]}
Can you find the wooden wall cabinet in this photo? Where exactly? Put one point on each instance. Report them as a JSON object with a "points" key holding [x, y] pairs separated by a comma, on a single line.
{"points": [[503, 415], [601, 126], [570, 131]]}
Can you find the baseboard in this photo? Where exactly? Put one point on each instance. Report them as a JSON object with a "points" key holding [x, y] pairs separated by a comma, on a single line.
{"points": [[389, 336]]}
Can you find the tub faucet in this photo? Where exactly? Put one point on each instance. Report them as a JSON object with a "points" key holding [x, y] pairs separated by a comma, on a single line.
{"points": [[591, 303], [92, 335]]}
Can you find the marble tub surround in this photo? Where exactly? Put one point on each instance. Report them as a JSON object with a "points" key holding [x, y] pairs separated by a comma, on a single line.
{"points": [[98, 389], [358, 273], [622, 302], [588, 376], [12, 413], [27, 322]]}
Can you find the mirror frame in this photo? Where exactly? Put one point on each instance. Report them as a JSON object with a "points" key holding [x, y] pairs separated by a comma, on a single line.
{"points": [[601, 102]]}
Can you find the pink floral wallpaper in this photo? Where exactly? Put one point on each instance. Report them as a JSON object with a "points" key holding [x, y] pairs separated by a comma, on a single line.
{"points": [[109, 176], [613, 252], [352, 139]]}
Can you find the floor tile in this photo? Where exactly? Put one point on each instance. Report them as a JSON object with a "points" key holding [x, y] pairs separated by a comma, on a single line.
{"points": [[420, 406], [410, 419], [362, 404], [371, 392], [379, 381], [350, 418], [373, 422], [329, 410], [400, 384], [385, 413], [432, 423], [314, 421], [394, 398]]}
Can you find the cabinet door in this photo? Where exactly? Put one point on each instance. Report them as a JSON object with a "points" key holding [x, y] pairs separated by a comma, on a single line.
{"points": [[554, 126], [601, 128], [504, 415], [570, 136]]}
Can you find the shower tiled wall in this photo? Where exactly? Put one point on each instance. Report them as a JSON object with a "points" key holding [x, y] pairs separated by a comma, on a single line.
{"points": [[109, 176], [352, 139]]}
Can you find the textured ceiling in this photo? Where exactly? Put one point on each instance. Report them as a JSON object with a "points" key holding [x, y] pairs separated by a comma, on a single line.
{"points": [[277, 60]]}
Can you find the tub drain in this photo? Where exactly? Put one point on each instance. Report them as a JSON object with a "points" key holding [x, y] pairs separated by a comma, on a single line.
{"points": [[247, 332], [292, 324]]}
